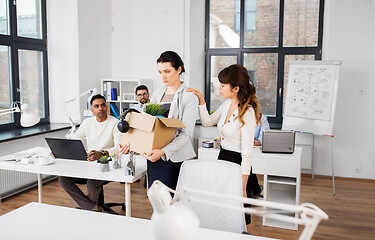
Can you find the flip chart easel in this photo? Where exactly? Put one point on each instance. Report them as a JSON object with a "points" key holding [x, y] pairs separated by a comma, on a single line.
{"points": [[310, 101]]}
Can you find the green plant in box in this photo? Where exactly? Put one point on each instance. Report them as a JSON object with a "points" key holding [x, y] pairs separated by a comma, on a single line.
{"points": [[155, 109]]}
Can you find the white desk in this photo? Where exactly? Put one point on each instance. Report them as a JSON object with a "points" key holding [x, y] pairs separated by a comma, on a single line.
{"points": [[80, 169], [42, 221], [282, 177]]}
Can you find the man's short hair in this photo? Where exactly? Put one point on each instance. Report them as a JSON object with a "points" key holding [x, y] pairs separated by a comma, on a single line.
{"points": [[97, 96], [141, 87]]}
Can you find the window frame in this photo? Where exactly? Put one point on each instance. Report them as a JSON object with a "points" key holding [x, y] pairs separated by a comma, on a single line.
{"points": [[280, 50], [23, 43]]}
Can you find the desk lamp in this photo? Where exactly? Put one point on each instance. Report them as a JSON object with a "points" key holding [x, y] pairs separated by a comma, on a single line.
{"points": [[90, 93], [29, 117], [172, 220]]}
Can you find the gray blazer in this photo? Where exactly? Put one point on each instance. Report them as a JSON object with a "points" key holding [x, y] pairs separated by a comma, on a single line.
{"points": [[184, 107]]}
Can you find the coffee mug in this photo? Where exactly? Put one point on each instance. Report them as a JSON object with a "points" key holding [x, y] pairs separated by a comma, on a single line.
{"points": [[43, 160]]}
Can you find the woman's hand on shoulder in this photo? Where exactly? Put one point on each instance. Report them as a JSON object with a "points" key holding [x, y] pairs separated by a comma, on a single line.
{"points": [[198, 94]]}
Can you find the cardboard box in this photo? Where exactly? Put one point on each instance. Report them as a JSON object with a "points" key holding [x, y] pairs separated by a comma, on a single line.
{"points": [[148, 132]]}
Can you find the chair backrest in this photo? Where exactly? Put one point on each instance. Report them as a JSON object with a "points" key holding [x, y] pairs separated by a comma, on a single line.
{"points": [[217, 177]]}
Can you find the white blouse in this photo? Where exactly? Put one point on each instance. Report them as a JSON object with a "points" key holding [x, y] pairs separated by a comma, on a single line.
{"points": [[233, 136]]}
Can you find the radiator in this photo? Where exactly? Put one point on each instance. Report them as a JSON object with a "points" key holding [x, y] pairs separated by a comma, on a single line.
{"points": [[11, 181]]}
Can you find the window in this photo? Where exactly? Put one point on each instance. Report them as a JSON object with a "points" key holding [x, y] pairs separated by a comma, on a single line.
{"points": [[250, 15], [23, 59], [263, 36]]}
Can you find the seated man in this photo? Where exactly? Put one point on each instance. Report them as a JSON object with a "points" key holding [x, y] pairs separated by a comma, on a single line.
{"points": [[143, 97], [258, 134], [102, 136]]}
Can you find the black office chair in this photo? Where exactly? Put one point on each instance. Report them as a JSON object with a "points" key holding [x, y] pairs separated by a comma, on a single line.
{"points": [[107, 206]]}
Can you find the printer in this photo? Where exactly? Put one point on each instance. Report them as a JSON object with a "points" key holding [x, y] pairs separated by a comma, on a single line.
{"points": [[278, 141]]}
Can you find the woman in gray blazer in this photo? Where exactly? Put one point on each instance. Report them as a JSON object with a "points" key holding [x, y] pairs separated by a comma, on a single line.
{"points": [[164, 164]]}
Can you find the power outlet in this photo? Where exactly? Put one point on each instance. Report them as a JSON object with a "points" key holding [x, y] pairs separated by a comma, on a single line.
{"points": [[361, 91]]}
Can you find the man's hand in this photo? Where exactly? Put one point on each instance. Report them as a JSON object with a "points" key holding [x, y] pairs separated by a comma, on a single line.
{"points": [[154, 155], [94, 155], [124, 149], [257, 142]]}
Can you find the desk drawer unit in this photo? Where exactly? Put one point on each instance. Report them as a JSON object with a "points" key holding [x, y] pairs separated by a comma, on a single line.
{"points": [[282, 182], [286, 167], [259, 164]]}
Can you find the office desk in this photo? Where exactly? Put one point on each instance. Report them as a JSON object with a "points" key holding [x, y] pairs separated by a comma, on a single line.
{"points": [[42, 221], [80, 169], [282, 177]]}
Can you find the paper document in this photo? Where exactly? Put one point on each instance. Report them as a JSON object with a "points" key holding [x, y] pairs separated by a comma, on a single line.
{"points": [[16, 156]]}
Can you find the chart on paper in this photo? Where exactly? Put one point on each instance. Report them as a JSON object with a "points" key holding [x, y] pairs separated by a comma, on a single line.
{"points": [[311, 91]]}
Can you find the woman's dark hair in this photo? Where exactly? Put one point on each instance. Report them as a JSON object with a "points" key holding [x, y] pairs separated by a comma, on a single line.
{"points": [[173, 58], [97, 96], [237, 76]]}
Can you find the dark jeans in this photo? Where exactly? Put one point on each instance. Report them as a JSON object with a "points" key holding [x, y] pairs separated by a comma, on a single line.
{"points": [[94, 187], [252, 185], [165, 171]]}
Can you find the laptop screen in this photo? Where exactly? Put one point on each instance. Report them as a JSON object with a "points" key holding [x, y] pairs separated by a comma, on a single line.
{"points": [[67, 148]]}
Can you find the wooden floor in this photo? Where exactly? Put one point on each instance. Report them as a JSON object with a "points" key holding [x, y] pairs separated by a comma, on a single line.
{"points": [[351, 210]]}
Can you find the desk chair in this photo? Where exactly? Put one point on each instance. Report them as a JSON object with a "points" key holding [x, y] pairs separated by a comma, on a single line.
{"points": [[106, 206], [217, 177]]}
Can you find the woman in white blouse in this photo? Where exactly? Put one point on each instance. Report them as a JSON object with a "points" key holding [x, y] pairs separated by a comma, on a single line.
{"points": [[236, 119]]}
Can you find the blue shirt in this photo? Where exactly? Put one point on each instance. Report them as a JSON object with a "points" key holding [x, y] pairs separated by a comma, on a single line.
{"points": [[258, 133], [138, 106]]}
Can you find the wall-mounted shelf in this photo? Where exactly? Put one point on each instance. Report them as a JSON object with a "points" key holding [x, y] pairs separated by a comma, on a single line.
{"points": [[120, 93]]}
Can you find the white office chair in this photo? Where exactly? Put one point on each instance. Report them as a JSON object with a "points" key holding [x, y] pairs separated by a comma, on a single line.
{"points": [[218, 177]]}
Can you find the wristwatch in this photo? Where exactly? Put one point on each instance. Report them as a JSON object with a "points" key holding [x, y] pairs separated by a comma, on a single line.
{"points": [[104, 153]]}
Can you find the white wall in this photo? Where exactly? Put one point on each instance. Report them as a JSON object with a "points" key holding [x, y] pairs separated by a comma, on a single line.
{"points": [[94, 40], [142, 29], [350, 37], [195, 59], [63, 64], [79, 53]]}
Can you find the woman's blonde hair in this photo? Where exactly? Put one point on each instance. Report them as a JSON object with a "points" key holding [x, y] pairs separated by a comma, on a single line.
{"points": [[237, 76]]}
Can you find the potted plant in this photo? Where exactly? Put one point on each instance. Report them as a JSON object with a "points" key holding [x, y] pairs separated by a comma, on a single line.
{"points": [[155, 109], [104, 163]]}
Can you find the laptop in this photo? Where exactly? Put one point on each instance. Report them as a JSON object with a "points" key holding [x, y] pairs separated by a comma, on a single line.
{"points": [[67, 148], [278, 141]]}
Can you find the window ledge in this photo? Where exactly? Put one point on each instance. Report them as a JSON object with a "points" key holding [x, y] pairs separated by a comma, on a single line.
{"points": [[15, 134]]}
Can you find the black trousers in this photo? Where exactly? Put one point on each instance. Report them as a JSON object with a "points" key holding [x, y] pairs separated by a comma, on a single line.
{"points": [[252, 185], [165, 171]]}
